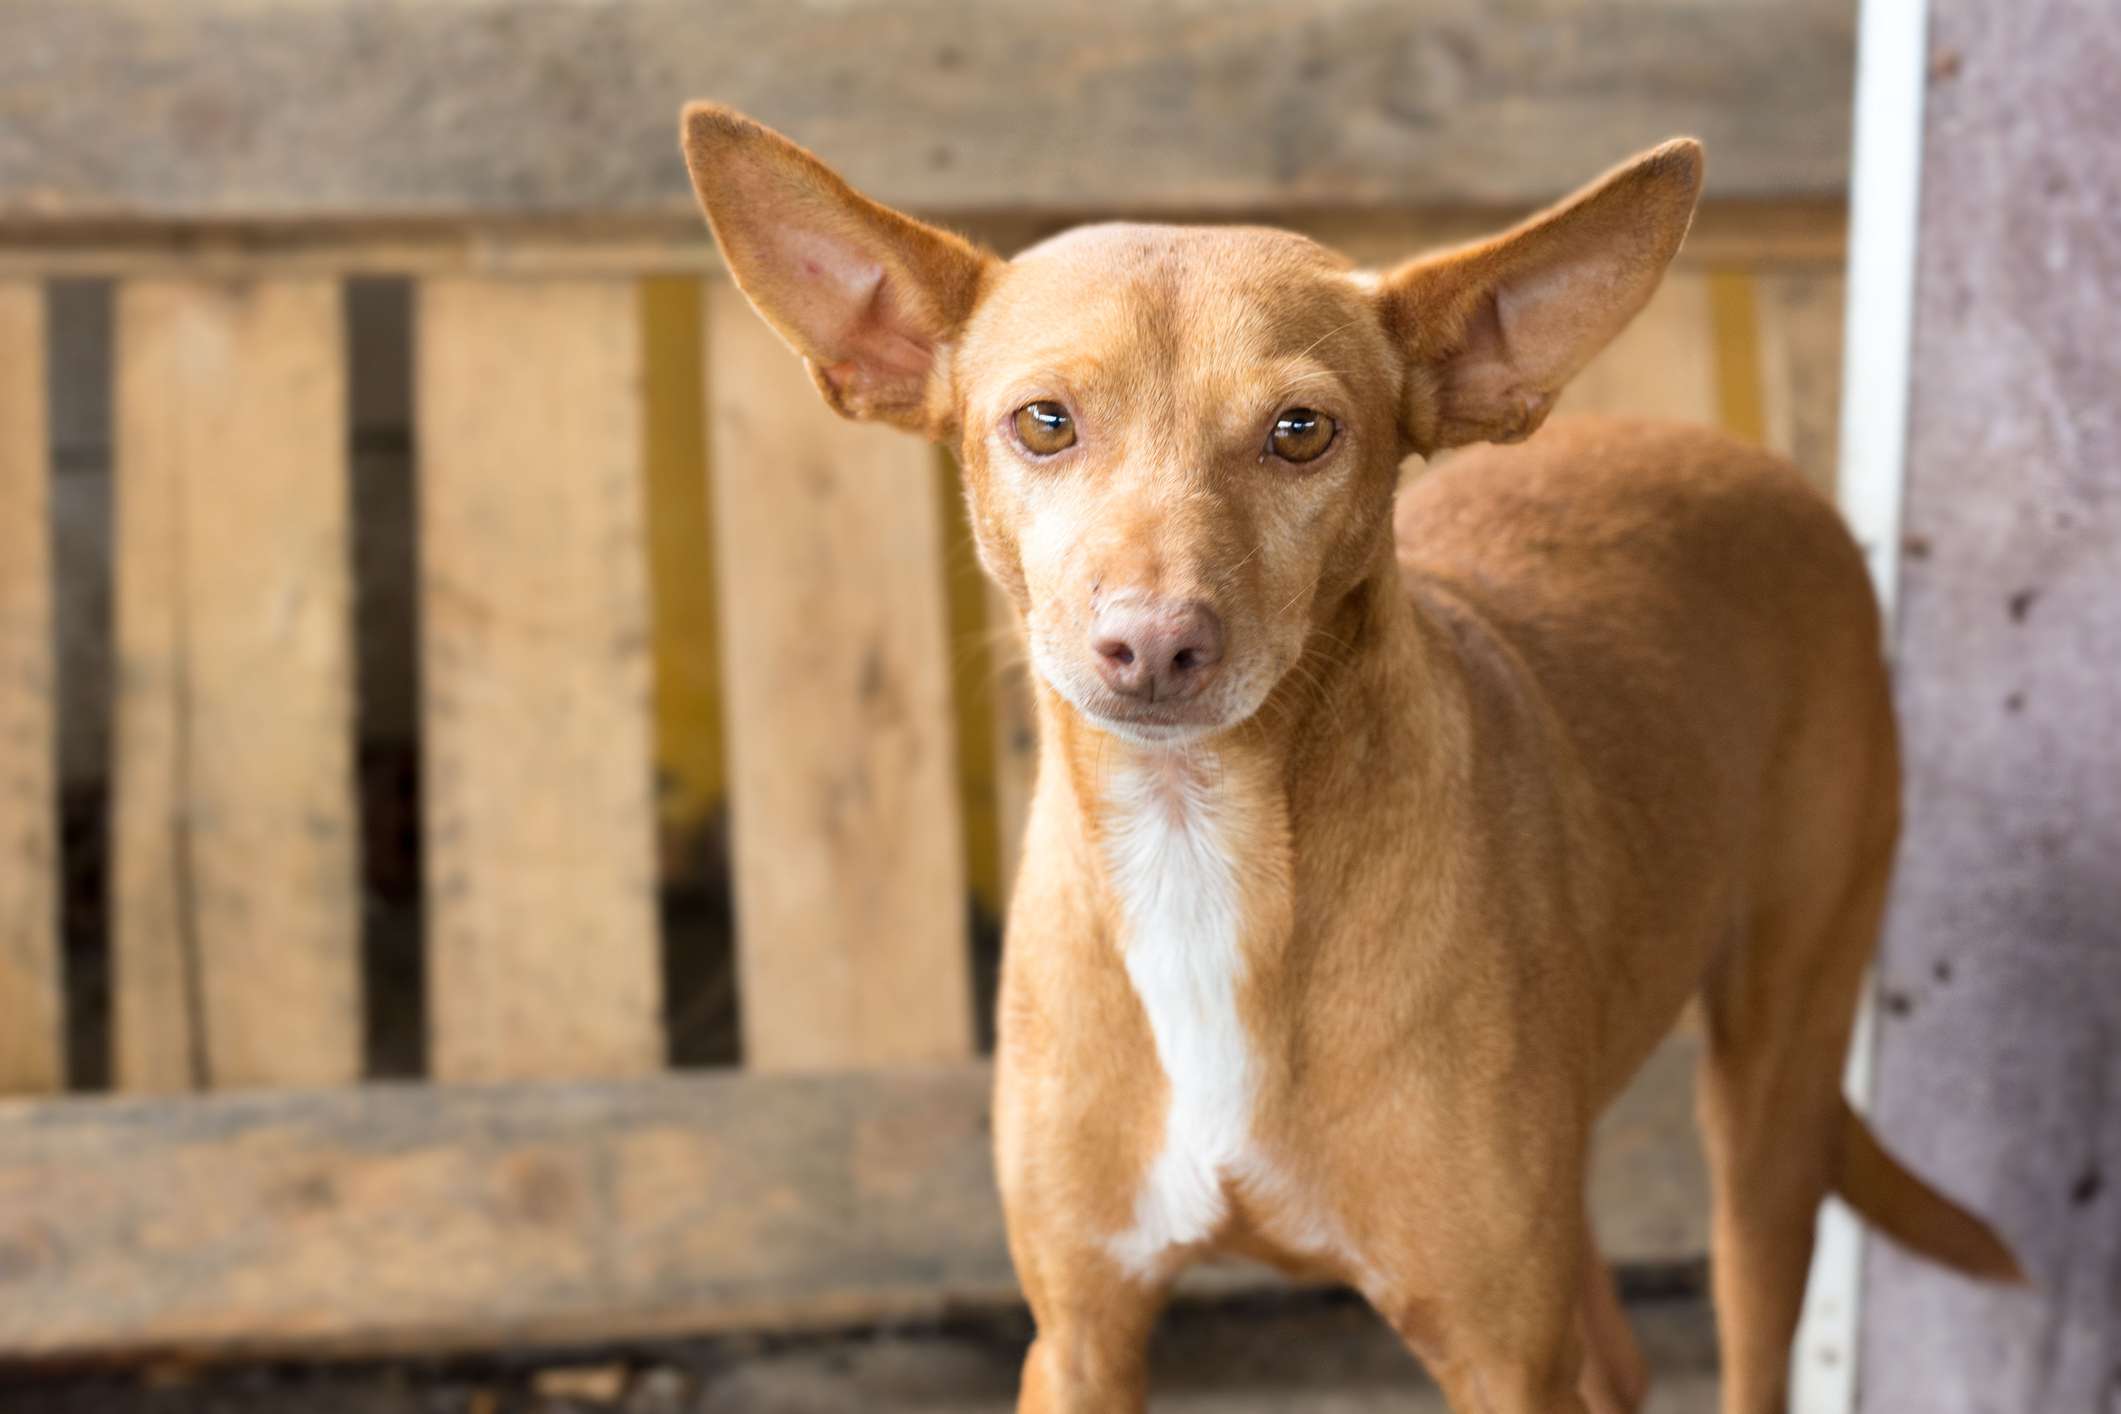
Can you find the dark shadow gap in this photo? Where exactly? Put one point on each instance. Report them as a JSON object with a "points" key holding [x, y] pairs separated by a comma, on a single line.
{"points": [[380, 449], [702, 1022], [699, 953], [78, 356]]}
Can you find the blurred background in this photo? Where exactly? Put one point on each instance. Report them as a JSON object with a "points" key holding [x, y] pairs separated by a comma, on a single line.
{"points": [[506, 805]]}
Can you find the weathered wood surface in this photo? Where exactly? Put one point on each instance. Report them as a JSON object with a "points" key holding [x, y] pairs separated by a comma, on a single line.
{"points": [[157, 1033], [238, 110], [1799, 318], [848, 848], [402, 1217], [1798, 231], [32, 1057], [540, 819], [1755, 352], [236, 907], [1999, 1056]]}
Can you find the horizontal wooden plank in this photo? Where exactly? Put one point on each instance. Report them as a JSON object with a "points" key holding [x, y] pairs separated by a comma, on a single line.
{"points": [[234, 109], [390, 1218], [1796, 232]]}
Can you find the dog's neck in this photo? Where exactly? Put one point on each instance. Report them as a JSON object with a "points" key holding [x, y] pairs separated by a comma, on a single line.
{"points": [[1190, 855], [1358, 718]]}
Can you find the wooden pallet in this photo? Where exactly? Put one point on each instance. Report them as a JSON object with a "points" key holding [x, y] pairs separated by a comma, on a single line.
{"points": [[610, 1199], [385, 1218], [591, 397]]}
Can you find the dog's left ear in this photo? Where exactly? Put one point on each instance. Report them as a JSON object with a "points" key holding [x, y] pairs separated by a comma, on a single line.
{"points": [[869, 297], [1494, 329]]}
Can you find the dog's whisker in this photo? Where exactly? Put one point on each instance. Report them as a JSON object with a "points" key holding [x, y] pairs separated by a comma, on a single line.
{"points": [[1339, 328], [1311, 588]]}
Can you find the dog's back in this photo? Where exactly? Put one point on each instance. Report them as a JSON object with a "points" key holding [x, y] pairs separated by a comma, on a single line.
{"points": [[1699, 623]]}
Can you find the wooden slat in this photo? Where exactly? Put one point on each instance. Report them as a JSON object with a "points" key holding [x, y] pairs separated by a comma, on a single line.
{"points": [[236, 903], [540, 824], [234, 109], [32, 1055], [402, 1217], [157, 1036], [1799, 314], [848, 851], [1801, 231]]}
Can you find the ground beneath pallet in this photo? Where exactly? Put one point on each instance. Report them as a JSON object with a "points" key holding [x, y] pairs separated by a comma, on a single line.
{"points": [[1323, 1354]]}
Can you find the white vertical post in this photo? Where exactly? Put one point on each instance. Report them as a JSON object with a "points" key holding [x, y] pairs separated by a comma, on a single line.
{"points": [[1884, 207]]}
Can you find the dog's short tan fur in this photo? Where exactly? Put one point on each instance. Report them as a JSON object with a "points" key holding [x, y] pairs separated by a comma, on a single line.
{"points": [[1479, 792]]}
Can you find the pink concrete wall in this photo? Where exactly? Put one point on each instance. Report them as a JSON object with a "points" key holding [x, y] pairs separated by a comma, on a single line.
{"points": [[1999, 1065]]}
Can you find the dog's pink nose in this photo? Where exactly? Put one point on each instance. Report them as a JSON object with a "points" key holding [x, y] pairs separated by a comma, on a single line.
{"points": [[1155, 650]]}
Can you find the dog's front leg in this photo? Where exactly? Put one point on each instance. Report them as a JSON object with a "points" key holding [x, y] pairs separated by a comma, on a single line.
{"points": [[1066, 1180], [1091, 1353], [1529, 1359], [1616, 1379], [1511, 1315]]}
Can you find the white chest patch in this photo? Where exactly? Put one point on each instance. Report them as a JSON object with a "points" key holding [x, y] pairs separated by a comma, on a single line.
{"points": [[1168, 849]]}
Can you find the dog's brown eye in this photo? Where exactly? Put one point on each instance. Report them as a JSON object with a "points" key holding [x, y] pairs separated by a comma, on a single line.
{"points": [[1044, 428], [1301, 435]]}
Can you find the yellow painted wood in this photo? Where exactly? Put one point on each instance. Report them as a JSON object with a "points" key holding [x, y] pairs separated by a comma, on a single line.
{"points": [[688, 665], [1735, 318], [32, 1050]]}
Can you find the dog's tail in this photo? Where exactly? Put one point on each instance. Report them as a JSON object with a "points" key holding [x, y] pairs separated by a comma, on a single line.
{"points": [[1914, 1214]]}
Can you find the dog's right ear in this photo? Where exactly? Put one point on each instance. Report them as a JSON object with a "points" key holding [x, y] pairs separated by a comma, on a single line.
{"points": [[872, 299], [1494, 329]]}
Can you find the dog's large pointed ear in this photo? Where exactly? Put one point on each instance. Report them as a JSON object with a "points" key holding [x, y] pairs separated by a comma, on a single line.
{"points": [[1494, 329], [872, 299]]}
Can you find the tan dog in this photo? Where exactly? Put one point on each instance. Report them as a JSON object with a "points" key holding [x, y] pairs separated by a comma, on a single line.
{"points": [[1370, 854]]}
